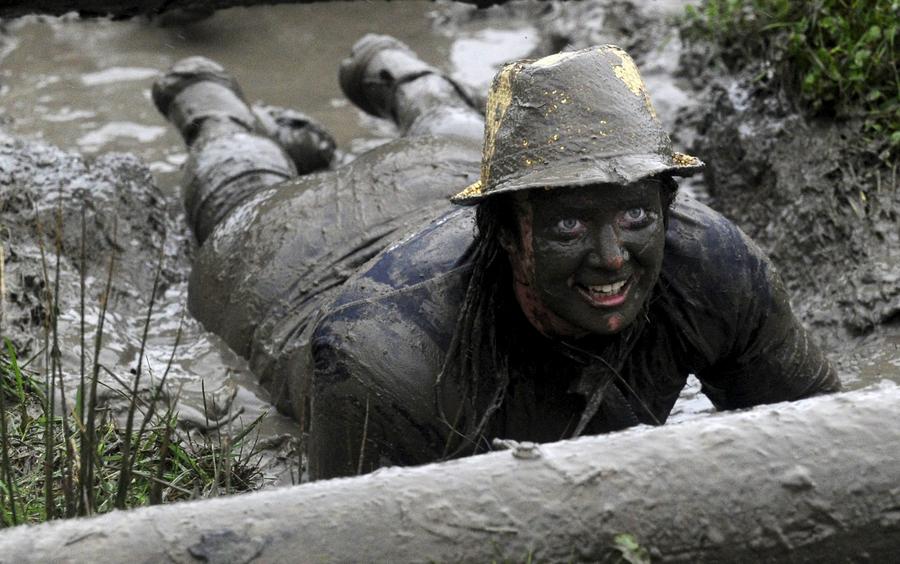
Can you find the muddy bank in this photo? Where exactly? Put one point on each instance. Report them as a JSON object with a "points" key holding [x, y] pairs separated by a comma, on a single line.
{"points": [[827, 215], [821, 202], [127, 222], [45, 192]]}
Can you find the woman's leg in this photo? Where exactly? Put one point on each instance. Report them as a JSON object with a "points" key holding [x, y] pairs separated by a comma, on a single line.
{"points": [[384, 77], [233, 153]]}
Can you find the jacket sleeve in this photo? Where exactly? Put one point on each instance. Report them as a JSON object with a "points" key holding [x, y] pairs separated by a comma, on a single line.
{"points": [[346, 435], [371, 403], [770, 356]]}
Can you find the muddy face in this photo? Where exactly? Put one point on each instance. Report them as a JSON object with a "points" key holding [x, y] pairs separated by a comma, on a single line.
{"points": [[587, 258]]}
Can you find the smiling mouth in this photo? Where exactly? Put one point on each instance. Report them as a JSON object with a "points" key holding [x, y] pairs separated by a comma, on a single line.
{"points": [[606, 295]]}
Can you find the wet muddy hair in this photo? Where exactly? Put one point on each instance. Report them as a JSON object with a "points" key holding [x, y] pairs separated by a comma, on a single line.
{"points": [[478, 358]]}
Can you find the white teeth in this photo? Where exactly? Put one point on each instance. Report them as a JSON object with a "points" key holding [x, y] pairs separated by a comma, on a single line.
{"points": [[607, 288]]}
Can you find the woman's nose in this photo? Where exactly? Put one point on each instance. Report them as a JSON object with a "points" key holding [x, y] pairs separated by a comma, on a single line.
{"points": [[608, 252]]}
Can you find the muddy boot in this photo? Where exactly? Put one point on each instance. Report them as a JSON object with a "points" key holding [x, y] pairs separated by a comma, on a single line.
{"points": [[231, 157], [307, 142], [385, 78], [197, 90]]}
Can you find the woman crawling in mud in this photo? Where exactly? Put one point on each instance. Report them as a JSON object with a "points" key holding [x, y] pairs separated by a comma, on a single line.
{"points": [[570, 291]]}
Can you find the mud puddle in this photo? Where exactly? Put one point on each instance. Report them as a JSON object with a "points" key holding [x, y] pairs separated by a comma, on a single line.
{"points": [[85, 85]]}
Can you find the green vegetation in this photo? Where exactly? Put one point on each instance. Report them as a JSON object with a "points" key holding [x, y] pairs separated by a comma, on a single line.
{"points": [[627, 549], [64, 458], [165, 463], [838, 56]]}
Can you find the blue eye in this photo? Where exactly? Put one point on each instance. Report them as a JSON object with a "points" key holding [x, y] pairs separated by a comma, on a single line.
{"points": [[636, 217], [568, 225], [568, 228], [635, 214]]}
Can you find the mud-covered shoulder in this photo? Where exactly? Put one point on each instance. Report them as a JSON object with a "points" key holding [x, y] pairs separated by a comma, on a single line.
{"points": [[712, 258], [389, 326], [731, 305], [375, 361], [378, 347], [434, 250], [718, 283]]}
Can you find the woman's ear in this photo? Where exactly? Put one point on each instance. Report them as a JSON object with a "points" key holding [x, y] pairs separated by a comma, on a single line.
{"points": [[510, 233]]}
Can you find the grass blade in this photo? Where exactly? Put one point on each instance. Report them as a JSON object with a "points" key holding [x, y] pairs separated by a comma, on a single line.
{"points": [[49, 382], [125, 470], [151, 409], [164, 442], [79, 402], [57, 372], [16, 371], [88, 445], [7, 484]]}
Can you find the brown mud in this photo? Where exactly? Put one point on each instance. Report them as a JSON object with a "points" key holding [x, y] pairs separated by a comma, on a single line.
{"points": [[824, 206], [786, 180]]}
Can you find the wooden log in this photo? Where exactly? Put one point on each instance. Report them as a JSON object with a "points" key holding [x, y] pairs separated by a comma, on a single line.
{"points": [[812, 481], [131, 8]]}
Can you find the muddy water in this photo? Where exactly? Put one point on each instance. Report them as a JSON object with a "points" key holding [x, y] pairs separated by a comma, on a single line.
{"points": [[84, 86]]}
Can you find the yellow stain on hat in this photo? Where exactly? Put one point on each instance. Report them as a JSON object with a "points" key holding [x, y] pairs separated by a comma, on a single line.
{"points": [[681, 159], [499, 99], [628, 73], [471, 191]]}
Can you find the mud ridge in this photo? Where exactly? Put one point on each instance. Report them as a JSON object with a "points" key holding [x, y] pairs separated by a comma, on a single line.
{"points": [[125, 215], [824, 207]]}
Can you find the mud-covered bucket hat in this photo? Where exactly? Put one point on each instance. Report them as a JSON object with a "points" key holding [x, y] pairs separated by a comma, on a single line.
{"points": [[572, 119]]}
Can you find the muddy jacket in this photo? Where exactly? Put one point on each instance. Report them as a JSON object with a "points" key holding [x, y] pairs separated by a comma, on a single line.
{"points": [[719, 312], [279, 252]]}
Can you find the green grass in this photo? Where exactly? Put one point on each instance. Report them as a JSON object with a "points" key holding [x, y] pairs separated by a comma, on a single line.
{"points": [[165, 464], [838, 57]]}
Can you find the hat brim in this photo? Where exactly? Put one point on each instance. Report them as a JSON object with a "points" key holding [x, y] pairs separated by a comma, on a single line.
{"points": [[624, 169]]}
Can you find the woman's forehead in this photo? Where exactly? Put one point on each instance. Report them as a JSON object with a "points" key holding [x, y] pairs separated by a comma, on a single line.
{"points": [[590, 195]]}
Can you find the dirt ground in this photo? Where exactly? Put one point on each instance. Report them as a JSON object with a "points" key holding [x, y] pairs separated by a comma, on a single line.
{"points": [[818, 198]]}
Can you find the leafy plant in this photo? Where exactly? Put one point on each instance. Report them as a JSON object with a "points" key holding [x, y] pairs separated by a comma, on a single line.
{"points": [[838, 56], [629, 550]]}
